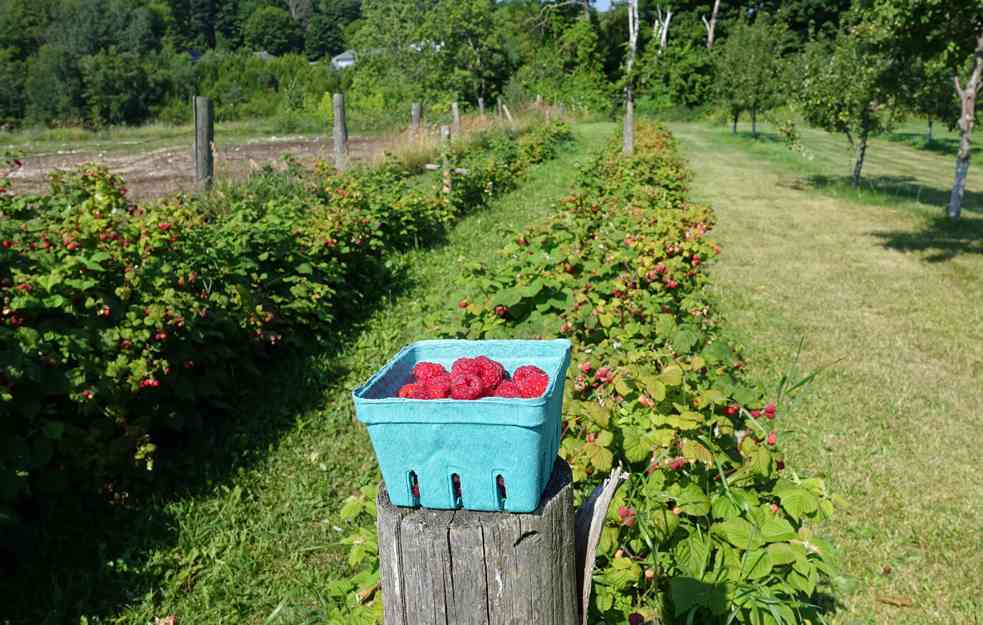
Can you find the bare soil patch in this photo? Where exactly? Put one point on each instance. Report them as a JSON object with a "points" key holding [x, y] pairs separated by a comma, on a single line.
{"points": [[156, 173]]}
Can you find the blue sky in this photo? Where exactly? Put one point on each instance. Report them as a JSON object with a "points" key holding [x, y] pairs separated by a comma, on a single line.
{"points": [[603, 5]]}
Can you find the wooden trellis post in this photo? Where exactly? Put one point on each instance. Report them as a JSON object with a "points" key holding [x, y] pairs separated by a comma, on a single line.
{"points": [[481, 107], [340, 133], [445, 146], [204, 138], [456, 111], [416, 116]]}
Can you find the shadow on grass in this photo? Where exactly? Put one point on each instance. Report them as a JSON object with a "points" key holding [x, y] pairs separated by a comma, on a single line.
{"points": [[946, 146], [940, 239], [884, 189]]}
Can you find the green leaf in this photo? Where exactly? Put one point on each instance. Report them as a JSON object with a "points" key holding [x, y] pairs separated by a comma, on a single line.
{"points": [[305, 269], [738, 532], [757, 564], [693, 501], [797, 501], [672, 375], [638, 444], [783, 553], [777, 529], [692, 553], [654, 387], [688, 593], [696, 452], [684, 340], [600, 457]]}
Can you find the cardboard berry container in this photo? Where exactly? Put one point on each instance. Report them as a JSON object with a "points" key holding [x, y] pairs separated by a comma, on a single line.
{"points": [[488, 454]]}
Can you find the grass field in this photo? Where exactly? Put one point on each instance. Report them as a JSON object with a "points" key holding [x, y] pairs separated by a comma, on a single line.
{"points": [[258, 531], [888, 298]]}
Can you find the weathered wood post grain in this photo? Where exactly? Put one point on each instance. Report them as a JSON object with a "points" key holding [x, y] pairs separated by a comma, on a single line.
{"points": [[416, 115], [539, 101], [456, 567], [481, 107], [445, 147], [498, 106], [456, 112], [340, 133], [204, 137]]}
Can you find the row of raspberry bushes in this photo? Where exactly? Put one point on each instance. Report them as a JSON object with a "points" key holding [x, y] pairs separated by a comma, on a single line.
{"points": [[123, 326], [711, 526]]}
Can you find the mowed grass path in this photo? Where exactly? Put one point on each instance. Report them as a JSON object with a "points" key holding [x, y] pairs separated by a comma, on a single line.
{"points": [[263, 538], [893, 300]]}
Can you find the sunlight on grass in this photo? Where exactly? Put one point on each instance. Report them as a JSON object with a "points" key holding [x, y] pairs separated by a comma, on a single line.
{"points": [[874, 282]]}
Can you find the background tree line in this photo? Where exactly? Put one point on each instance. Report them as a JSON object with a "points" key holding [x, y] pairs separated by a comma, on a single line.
{"points": [[852, 67]]}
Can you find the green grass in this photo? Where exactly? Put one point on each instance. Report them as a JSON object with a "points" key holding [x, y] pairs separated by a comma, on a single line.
{"points": [[257, 527], [888, 297]]}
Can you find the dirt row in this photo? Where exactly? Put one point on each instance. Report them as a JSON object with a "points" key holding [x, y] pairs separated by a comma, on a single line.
{"points": [[164, 171]]}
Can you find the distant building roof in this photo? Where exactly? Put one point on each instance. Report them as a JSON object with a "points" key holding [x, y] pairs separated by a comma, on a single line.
{"points": [[343, 60]]}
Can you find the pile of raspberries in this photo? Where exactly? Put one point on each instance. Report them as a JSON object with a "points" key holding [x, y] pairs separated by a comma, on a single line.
{"points": [[474, 378]]}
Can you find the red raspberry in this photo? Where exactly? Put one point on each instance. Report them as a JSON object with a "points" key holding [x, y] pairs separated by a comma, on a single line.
{"points": [[770, 411], [423, 371], [438, 387], [490, 372], [466, 365], [772, 438], [466, 386], [636, 619], [731, 410], [507, 389], [413, 391], [532, 381]]}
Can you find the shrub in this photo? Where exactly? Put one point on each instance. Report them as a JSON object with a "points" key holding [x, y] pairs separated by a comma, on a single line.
{"points": [[710, 527]]}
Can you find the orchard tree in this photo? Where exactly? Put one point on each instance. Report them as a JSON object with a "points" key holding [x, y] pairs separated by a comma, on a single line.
{"points": [[948, 35], [273, 30], [844, 88], [749, 67], [927, 91]]}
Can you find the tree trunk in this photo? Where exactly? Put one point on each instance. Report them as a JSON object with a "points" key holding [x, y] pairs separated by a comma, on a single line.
{"points": [[711, 26], [754, 122], [861, 154], [929, 130], [967, 97], [733, 128], [660, 28], [629, 133]]}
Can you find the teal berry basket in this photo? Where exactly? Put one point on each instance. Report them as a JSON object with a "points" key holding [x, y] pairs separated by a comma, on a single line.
{"points": [[491, 454]]}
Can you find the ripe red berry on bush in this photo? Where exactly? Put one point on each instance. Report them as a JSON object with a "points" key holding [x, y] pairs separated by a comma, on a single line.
{"points": [[474, 378]]}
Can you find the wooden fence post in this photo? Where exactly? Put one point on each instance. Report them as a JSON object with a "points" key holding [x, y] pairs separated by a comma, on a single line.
{"points": [[416, 115], [458, 567], [445, 146], [340, 133], [456, 111], [498, 106], [481, 107], [204, 138]]}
